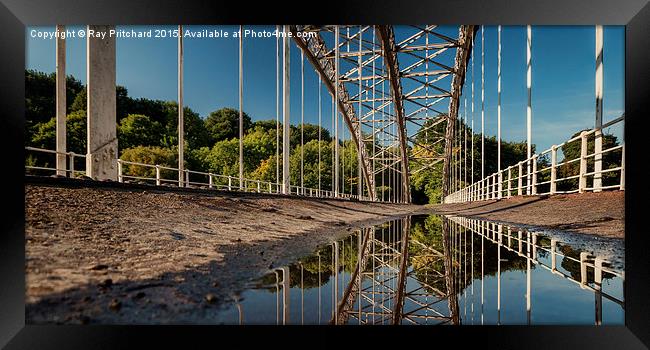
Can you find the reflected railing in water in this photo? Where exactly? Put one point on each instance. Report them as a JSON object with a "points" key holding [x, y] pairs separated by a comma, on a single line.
{"points": [[429, 270]]}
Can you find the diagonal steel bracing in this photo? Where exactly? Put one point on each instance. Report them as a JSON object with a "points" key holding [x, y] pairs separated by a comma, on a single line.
{"points": [[388, 291], [465, 41], [387, 37], [392, 88]]}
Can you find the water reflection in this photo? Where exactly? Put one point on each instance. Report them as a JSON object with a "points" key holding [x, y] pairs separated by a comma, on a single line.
{"points": [[437, 270]]}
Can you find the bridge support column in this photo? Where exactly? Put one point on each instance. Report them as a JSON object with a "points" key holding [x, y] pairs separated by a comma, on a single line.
{"points": [[598, 283], [181, 122], [101, 156], [285, 112], [241, 107], [598, 142], [336, 112], [60, 105]]}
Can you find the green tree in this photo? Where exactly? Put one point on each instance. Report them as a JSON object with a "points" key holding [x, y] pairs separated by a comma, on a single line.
{"points": [[138, 130], [122, 102], [310, 132], [259, 144], [43, 135], [40, 96], [311, 165], [196, 134], [266, 171], [223, 158], [152, 155], [223, 124]]}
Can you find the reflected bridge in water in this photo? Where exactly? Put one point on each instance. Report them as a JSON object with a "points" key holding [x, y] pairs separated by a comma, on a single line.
{"points": [[438, 270]]}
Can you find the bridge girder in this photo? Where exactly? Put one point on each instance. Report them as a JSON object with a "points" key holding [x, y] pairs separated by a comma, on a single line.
{"points": [[389, 48]]}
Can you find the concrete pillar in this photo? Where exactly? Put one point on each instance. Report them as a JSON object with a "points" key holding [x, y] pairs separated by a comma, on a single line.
{"points": [[101, 156], [60, 104]]}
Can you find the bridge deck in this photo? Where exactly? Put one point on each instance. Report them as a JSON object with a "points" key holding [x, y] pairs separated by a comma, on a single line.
{"points": [[601, 213], [164, 251]]}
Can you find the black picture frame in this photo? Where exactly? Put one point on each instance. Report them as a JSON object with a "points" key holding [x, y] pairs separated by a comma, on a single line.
{"points": [[16, 14]]}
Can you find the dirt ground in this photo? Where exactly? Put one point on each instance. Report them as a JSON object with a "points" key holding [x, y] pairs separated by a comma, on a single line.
{"points": [[601, 214], [142, 255]]}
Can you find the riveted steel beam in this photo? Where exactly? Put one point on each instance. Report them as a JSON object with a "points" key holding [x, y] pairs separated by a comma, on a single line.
{"points": [[465, 42]]}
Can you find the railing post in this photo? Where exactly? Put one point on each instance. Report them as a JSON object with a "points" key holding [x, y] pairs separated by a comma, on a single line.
{"points": [[119, 171], [258, 186], [187, 178], [582, 184], [71, 164], [500, 185], [583, 268], [520, 173], [534, 185], [488, 187], [229, 183], [157, 175], [553, 254], [622, 185], [509, 181], [553, 169]]}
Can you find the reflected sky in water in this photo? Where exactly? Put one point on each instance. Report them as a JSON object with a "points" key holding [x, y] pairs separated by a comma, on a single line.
{"points": [[438, 270]]}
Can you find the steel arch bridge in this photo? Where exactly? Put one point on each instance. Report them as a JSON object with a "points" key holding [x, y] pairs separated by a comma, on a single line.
{"points": [[392, 90], [397, 90]]}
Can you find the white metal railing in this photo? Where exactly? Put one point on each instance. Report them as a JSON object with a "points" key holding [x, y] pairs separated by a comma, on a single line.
{"points": [[70, 158], [522, 177], [190, 178], [525, 244]]}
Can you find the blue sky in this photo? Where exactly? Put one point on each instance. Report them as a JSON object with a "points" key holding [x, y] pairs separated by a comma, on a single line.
{"points": [[563, 76]]}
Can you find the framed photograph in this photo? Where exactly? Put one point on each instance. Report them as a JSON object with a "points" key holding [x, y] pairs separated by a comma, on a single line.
{"points": [[468, 170]]}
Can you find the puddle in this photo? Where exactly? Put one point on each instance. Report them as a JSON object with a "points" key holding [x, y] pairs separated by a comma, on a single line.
{"points": [[439, 270]]}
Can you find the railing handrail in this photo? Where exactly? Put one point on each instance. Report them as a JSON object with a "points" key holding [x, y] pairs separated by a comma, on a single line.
{"points": [[482, 189], [262, 186]]}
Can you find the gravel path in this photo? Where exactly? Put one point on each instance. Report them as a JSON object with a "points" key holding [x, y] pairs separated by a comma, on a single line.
{"points": [[601, 214]]}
